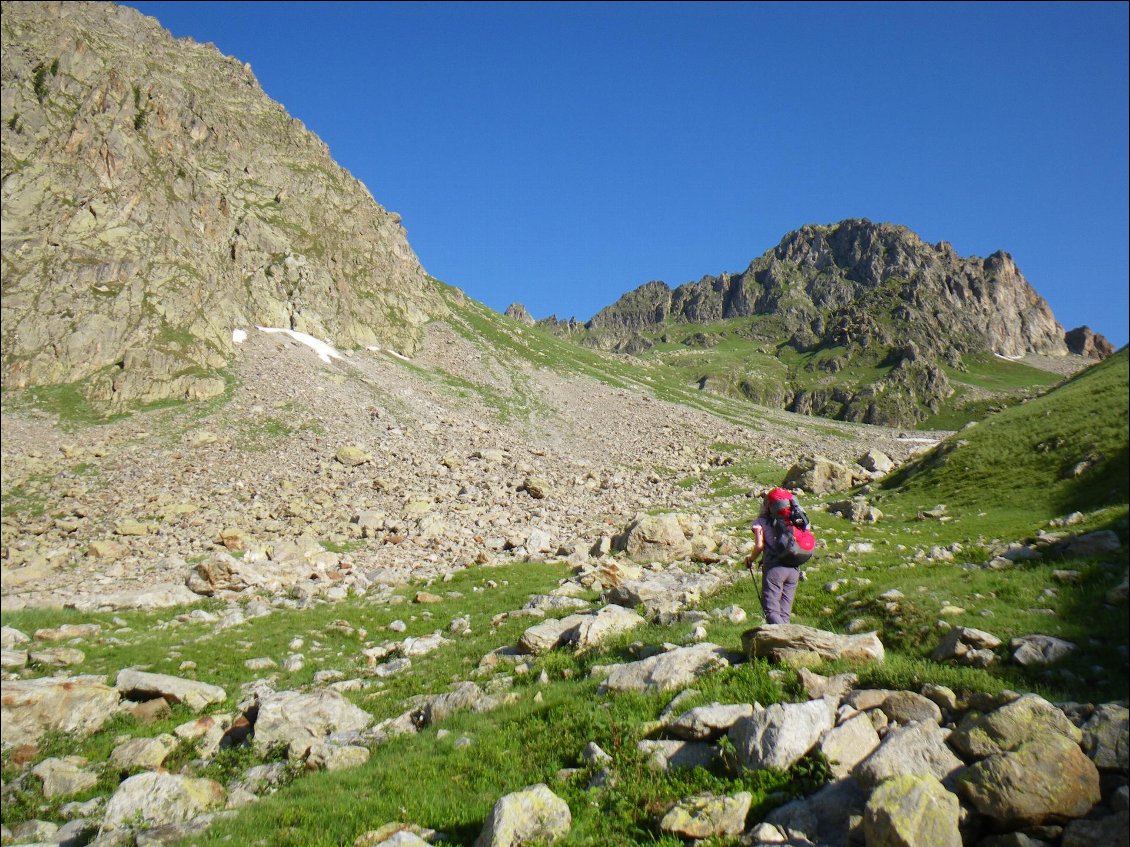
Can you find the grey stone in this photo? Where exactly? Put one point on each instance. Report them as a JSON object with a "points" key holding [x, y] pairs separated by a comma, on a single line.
{"points": [[155, 799], [708, 815], [1106, 738], [141, 685], [679, 754], [779, 735], [848, 744], [665, 672], [296, 720], [704, 723], [1029, 650], [916, 749]]}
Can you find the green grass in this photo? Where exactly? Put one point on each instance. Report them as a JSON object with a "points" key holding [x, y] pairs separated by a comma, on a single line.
{"points": [[1024, 456]]}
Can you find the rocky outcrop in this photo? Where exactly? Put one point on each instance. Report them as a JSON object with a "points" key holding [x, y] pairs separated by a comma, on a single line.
{"points": [[1083, 341], [519, 313], [146, 217]]}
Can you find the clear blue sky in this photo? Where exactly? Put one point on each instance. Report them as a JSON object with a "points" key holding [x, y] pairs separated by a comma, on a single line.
{"points": [[562, 154]]}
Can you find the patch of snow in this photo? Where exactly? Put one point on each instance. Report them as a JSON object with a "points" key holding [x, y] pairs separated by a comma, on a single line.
{"points": [[399, 356], [373, 349], [1008, 358], [238, 336], [325, 351], [918, 440]]}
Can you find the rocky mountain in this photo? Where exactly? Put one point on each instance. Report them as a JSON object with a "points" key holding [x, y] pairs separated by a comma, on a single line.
{"points": [[156, 199], [871, 296], [856, 282]]}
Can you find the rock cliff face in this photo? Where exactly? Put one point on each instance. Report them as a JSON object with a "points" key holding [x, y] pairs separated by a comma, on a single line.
{"points": [[859, 282], [155, 199]]}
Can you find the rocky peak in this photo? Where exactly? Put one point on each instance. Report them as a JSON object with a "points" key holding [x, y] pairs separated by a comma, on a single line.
{"points": [[821, 279], [155, 199], [1083, 341], [519, 313]]}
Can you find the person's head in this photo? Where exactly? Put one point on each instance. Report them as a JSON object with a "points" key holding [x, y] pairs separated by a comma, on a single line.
{"points": [[778, 502]]}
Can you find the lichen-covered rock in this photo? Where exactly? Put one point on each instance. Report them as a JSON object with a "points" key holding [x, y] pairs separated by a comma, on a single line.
{"points": [[532, 815], [708, 815], [62, 777], [143, 753], [1013, 724], [1047, 777], [295, 720], [912, 811]]}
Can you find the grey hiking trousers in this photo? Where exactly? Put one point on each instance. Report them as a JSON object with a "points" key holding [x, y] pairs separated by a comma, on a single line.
{"points": [[778, 586]]}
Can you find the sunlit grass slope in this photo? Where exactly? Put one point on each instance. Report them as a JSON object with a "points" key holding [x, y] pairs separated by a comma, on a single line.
{"points": [[1063, 451]]}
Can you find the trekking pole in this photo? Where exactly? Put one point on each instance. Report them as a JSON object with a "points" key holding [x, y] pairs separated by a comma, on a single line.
{"points": [[756, 587]]}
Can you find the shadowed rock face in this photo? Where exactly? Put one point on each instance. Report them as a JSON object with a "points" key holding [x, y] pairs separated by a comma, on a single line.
{"points": [[155, 199], [1084, 341]]}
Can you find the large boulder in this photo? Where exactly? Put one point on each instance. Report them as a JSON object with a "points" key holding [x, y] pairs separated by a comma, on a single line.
{"points": [[31, 707], [708, 815], [819, 476], [1011, 725], [912, 811], [668, 671], [295, 719], [779, 735], [1046, 778], [534, 815], [654, 538], [788, 642], [155, 799], [140, 685], [917, 749]]}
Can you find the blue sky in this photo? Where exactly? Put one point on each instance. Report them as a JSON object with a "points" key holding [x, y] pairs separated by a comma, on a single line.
{"points": [[561, 154]]}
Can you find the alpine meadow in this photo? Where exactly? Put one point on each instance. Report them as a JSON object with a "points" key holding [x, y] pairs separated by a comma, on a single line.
{"points": [[303, 546]]}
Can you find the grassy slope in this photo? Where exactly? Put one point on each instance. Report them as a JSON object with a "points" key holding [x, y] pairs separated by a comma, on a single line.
{"points": [[996, 486], [751, 349]]}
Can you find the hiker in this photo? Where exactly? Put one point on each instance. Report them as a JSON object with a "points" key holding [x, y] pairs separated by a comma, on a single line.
{"points": [[782, 539]]}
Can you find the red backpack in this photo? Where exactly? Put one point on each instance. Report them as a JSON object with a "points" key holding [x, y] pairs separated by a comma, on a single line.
{"points": [[793, 542]]}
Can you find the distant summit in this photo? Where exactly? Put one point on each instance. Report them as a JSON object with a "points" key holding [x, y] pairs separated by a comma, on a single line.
{"points": [[856, 282], [155, 200], [868, 298]]}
